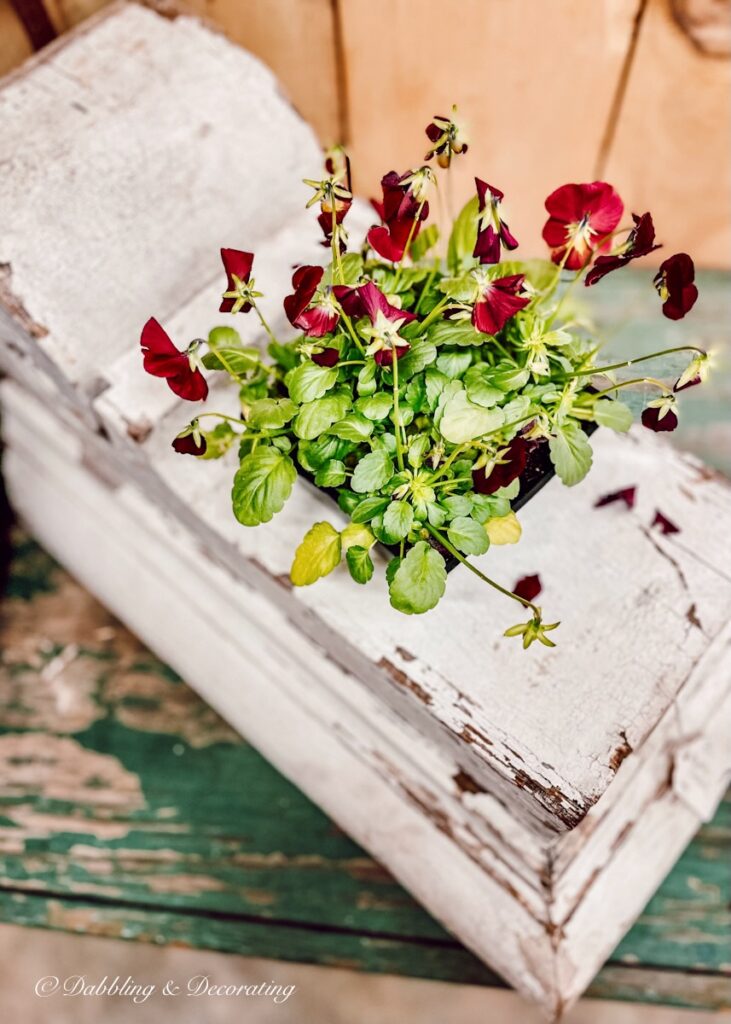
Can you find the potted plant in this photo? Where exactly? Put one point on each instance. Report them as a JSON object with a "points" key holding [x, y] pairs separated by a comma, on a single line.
{"points": [[431, 392]]}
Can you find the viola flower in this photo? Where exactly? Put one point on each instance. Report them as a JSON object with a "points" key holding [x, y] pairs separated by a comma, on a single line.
{"points": [[239, 295], [509, 465], [528, 587], [325, 357], [190, 441], [335, 199], [674, 284], [386, 321], [313, 312], [402, 210], [337, 165], [497, 301], [448, 136], [626, 494], [491, 229], [665, 525], [694, 373], [581, 219], [659, 415], [162, 359], [640, 242]]}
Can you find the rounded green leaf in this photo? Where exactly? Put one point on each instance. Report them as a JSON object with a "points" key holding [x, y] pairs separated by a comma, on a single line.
{"points": [[462, 420], [355, 427], [261, 486], [318, 554], [398, 519], [360, 564], [356, 535], [468, 536], [271, 413], [570, 452], [613, 414], [332, 474], [419, 580], [366, 509], [309, 381], [372, 472], [375, 407], [314, 418]]}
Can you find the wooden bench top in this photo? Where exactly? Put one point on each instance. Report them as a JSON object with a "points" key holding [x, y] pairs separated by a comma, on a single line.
{"points": [[128, 808]]}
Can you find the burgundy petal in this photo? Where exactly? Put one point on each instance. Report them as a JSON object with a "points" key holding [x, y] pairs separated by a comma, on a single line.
{"points": [[375, 302], [162, 359], [528, 587], [651, 419], [237, 262], [187, 445], [677, 274], [626, 494], [499, 302], [689, 384], [350, 300], [505, 472], [487, 246], [384, 356], [304, 281], [328, 357], [666, 525]]}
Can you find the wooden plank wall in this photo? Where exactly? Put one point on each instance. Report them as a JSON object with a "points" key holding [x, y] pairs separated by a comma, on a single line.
{"points": [[554, 90]]}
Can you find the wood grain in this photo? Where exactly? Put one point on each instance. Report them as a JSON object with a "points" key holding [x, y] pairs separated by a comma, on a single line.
{"points": [[130, 809], [15, 46]]}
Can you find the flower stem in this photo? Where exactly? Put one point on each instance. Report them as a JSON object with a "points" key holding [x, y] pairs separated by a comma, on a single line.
{"points": [[335, 243], [351, 331], [397, 413], [485, 579], [221, 416], [265, 325], [631, 362], [635, 380], [434, 313]]}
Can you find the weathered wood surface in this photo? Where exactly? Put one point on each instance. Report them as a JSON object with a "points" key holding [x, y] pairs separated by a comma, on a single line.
{"points": [[129, 809]]}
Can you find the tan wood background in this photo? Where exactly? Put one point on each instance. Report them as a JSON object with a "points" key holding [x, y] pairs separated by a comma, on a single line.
{"points": [[637, 91]]}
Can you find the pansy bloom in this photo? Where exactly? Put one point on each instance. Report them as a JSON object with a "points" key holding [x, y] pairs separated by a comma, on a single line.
{"points": [[162, 359], [674, 283], [239, 294], [313, 312], [581, 221], [694, 373], [190, 442], [448, 136], [498, 300], [508, 467], [491, 228], [402, 210], [640, 242], [659, 415], [335, 199], [528, 587], [386, 320]]}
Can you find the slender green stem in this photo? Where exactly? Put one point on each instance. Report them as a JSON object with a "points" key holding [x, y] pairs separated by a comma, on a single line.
{"points": [[427, 286], [351, 331], [265, 325], [631, 362], [221, 416], [397, 413], [434, 313], [450, 459], [335, 244], [485, 579], [453, 482], [352, 362], [635, 380]]}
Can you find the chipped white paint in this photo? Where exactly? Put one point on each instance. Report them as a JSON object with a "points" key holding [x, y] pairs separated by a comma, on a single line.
{"points": [[515, 794]]}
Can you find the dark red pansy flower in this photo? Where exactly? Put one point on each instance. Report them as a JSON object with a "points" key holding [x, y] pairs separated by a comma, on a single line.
{"points": [[491, 228], [314, 318], [512, 463], [640, 242], [349, 299], [674, 283], [448, 136], [581, 219], [659, 419], [337, 165], [626, 494], [325, 218], [237, 265], [402, 211], [665, 525], [528, 587], [162, 359], [386, 321], [187, 445], [498, 301], [326, 357]]}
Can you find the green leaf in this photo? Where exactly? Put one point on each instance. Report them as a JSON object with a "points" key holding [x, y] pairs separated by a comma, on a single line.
{"points": [[458, 504], [366, 509], [420, 355], [367, 378], [355, 427], [463, 237], [398, 519], [419, 580], [356, 535], [462, 420], [332, 474], [468, 536], [434, 382], [570, 452], [314, 418], [372, 472], [392, 569], [375, 407], [424, 242], [227, 352], [314, 454], [261, 486], [453, 363], [360, 564], [219, 440], [613, 414], [309, 381], [418, 449], [481, 388], [456, 332], [463, 288], [271, 413], [509, 377], [489, 506], [286, 355], [317, 555], [352, 268]]}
